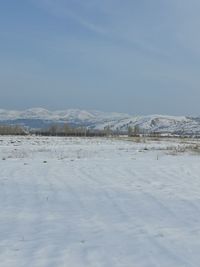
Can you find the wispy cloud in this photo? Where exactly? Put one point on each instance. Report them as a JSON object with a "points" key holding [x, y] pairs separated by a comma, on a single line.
{"points": [[152, 28], [63, 10], [120, 25], [162, 34]]}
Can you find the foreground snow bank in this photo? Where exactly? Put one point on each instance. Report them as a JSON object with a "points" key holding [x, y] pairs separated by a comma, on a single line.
{"points": [[97, 202]]}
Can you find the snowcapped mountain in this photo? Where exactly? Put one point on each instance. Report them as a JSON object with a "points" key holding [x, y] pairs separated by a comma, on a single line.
{"points": [[42, 118], [161, 124], [59, 115]]}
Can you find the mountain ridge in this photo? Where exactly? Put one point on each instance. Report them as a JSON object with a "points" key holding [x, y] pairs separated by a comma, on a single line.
{"points": [[36, 118]]}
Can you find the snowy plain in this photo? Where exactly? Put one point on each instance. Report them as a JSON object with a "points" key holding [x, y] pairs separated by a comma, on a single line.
{"points": [[97, 202]]}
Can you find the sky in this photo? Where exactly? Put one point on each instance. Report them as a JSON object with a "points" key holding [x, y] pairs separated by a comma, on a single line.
{"points": [[132, 56]]}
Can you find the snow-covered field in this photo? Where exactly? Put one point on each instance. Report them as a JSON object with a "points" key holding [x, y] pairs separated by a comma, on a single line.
{"points": [[72, 202]]}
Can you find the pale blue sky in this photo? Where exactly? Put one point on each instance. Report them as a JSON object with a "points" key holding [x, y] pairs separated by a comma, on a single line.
{"points": [[134, 56]]}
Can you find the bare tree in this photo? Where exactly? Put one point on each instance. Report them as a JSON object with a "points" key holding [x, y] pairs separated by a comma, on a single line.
{"points": [[136, 130], [107, 130], [130, 131]]}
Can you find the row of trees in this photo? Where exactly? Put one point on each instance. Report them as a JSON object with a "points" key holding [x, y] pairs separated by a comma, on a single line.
{"points": [[55, 130], [12, 130], [133, 131], [66, 130]]}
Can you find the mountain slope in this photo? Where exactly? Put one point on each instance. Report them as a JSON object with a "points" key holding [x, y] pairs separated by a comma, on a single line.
{"points": [[62, 115], [41, 118]]}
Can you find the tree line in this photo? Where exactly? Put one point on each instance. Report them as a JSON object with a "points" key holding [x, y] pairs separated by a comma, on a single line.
{"points": [[12, 130], [55, 130], [67, 130]]}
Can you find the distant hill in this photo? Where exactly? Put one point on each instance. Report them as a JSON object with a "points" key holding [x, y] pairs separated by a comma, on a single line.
{"points": [[39, 118]]}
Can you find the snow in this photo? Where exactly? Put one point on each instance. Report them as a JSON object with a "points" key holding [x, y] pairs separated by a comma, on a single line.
{"points": [[99, 120], [59, 115], [98, 202]]}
